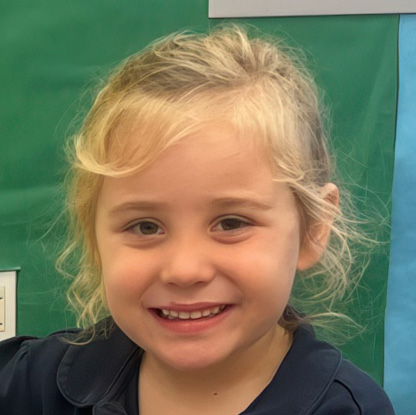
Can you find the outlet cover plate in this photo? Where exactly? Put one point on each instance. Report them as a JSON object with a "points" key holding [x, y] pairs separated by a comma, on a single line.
{"points": [[8, 280]]}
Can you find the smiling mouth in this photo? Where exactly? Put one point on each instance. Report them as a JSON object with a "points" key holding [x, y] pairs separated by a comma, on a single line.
{"points": [[190, 315]]}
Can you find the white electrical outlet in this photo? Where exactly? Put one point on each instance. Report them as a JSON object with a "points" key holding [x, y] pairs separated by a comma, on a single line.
{"points": [[2, 310], [7, 304]]}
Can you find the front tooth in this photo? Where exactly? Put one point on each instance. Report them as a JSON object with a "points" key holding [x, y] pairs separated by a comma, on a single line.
{"points": [[196, 314], [184, 315]]}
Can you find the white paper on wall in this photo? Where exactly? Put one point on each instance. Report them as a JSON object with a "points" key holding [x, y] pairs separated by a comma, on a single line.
{"points": [[259, 8]]}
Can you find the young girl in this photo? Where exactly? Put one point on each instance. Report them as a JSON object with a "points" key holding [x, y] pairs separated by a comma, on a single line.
{"points": [[200, 187]]}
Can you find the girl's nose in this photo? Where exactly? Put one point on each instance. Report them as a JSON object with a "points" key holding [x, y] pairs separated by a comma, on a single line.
{"points": [[187, 263]]}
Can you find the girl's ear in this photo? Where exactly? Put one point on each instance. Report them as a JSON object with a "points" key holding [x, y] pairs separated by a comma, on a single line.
{"points": [[317, 235]]}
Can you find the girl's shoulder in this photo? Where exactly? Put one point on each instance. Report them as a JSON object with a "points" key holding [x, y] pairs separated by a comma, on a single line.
{"points": [[353, 388], [27, 350], [314, 379], [56, 375], [340, 386], [28, 368]]}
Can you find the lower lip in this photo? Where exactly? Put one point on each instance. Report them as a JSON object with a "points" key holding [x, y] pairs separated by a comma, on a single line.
{"points": [[192, 326]]}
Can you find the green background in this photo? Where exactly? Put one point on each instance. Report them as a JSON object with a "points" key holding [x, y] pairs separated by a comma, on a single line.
{"points": [[52, 53]]}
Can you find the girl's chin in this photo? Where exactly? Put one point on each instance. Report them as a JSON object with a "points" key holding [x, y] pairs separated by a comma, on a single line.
{"points": [[187, 360]]}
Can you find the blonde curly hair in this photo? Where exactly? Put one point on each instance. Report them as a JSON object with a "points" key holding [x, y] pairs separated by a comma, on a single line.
{"points": [[173, 88]]}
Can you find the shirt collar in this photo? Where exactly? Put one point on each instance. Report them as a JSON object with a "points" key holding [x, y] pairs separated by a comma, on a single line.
{"points": [[93, 373]]}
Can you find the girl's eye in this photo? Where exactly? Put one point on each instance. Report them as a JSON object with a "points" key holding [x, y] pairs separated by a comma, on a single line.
{"points": [[146, 228], [230, 224]]}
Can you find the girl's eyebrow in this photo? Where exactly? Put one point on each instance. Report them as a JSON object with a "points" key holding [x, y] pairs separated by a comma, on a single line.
{"points": [[233, 202], [223, 203], [136, 205]]}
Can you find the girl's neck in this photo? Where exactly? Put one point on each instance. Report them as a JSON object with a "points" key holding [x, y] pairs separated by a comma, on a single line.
{"points": [[226, 388]]}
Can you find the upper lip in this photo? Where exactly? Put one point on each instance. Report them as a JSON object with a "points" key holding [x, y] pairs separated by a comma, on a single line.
{"points": [[190, 307]]}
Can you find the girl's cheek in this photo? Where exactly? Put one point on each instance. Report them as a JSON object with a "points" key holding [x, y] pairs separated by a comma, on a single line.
{"points": [[126, 274]]}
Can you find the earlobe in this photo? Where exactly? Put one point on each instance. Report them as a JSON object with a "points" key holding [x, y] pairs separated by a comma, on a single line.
{"points": [[317, 235]]}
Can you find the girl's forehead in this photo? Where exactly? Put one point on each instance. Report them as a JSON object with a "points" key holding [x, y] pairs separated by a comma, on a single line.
{"points": [[214, 157], [142, 145], [219, 144]]}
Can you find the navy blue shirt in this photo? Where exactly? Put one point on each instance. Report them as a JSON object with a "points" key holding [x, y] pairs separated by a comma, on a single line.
{"points": [[50, 377]]}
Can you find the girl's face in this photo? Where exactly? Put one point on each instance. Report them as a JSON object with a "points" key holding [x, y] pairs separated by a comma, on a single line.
{"points": [[199, 251]]}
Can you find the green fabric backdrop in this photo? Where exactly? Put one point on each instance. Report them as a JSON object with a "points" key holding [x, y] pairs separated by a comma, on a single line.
{"points": [[52, 53]]}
